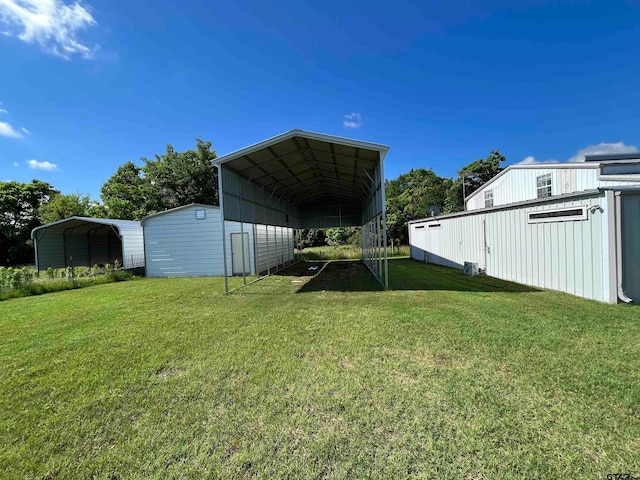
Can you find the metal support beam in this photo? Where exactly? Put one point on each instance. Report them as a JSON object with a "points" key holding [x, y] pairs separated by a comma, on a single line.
{"points": [[224, 235]]}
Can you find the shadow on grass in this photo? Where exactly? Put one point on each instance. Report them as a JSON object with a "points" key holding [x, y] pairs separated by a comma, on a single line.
{"points": [[408, 274], [404, 274], [332, 276]]}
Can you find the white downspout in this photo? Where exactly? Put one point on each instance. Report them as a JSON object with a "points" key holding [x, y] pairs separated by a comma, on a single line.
{"points": [[621, 295]]}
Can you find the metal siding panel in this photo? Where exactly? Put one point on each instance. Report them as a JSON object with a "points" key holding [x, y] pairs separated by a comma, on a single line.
{"points": [[630, 216], [133, 248], [594, 260], [570, 255], [549, 255], [179, 245], [245, 201]]}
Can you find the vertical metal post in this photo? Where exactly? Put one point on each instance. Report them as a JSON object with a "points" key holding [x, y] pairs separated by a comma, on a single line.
{"points": [[224, 235], [378, 249], [384, 225], [282, 245], [35, 246], [266, 228], [244, 268], [255, 248]]}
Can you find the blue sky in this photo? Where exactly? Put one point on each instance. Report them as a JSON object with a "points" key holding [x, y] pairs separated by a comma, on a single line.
{"points": [[88, 86]]}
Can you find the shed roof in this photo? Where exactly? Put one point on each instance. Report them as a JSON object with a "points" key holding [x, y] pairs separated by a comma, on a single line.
{"points": [[305, 167], [175, 209], [89, 223], [508, 206]]}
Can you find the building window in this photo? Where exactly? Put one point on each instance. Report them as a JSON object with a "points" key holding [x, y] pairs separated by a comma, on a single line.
{"points": [[488, 198], [544, 185], [558, 215], [201, 214]]}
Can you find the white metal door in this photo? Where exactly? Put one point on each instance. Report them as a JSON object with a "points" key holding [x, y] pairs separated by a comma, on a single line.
{"points": [[236, 254]]}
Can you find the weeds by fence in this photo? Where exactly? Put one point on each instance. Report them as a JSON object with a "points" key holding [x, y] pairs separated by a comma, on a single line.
{"points": [[25, 281], [346, 252]]}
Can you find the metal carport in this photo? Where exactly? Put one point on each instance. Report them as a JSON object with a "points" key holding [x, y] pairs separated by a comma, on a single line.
{"points": [[304, 180], [84, 241]]}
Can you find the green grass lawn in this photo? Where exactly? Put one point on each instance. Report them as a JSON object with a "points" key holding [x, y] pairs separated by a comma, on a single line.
{"points": [[447, 376]]}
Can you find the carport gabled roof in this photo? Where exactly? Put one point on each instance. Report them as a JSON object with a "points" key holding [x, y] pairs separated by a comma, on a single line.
{"points": [[305, 167], [88, 223]]}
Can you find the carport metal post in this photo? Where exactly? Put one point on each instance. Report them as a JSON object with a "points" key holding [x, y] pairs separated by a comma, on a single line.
{"points": [[255, 247], [266, 229], [244, 268], [224, 236], [35, 246], [384, 225]]}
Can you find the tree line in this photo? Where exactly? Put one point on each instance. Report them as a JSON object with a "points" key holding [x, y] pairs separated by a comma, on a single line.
{"points": [[173, 179]]}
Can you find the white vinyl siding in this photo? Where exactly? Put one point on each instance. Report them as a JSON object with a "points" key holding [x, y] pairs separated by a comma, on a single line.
{"points": [[520, 184], [570, 256]]}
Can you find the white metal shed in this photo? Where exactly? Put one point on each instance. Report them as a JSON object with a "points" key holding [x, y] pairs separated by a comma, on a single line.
{"points": [[585, 243], [85, 241], [187, 242]]}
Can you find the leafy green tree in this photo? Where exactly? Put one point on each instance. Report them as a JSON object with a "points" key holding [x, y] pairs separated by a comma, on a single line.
{"points": [[63, 206], [410, 196], [19, 206], [180, 178], [473, 176], [342, 236], [311, 238], [169, 180], [128, 194], [97, 210]]}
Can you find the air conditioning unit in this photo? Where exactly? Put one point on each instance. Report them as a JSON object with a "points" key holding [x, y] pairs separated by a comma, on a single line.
{"points": [[471, 268]]}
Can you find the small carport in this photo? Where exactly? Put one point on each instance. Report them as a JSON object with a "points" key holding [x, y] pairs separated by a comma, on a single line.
{"points": [[305, 180], [84, 241]]}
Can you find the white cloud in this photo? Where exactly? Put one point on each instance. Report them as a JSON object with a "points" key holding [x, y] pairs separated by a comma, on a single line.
{"points": [[16, 164], [530, 160], [602, 148], [25, 131], [52, 24], [36, 165], [351, 120], [6, 130]]}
